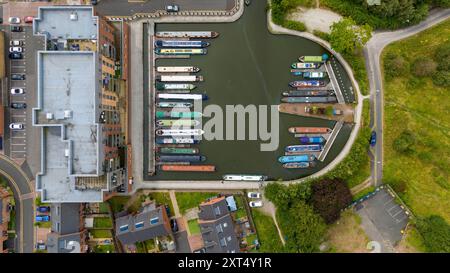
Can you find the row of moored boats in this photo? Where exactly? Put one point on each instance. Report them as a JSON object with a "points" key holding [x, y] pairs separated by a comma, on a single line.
{"points": [[177, 124]]}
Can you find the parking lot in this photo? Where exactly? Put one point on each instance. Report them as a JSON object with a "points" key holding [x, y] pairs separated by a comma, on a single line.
{"points": [[383, 219], [19, 141]]}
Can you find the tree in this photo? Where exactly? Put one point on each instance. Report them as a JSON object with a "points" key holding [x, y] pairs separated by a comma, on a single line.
{"points": [[423, 67], [302, 227], [405, 142], [285, 196], [329, 197], [435, 232], [346, 36], [395, 65], [442, 56], [442, 78]]}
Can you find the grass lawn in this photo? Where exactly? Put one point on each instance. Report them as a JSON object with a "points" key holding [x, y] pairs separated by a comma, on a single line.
{"points": [[421, 176], [102, 222], [363, 193], [188, 200], [346, 235], [240, 207], [150, 244], [103, 207], [267, 233], [100, 233], [118, 202], [194, 227], [162, 198], [140, 247], [104, 249], [44, 224]]}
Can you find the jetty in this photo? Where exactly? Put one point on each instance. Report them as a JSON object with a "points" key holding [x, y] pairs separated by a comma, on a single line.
{"points": [[332, 137], [334, 82]]}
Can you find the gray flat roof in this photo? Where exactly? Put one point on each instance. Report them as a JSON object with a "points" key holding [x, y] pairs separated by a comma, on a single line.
{"points": [[68, 99], [66, 22]]}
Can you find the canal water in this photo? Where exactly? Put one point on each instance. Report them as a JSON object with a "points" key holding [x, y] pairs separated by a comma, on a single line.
{"points": [[248, 65]]}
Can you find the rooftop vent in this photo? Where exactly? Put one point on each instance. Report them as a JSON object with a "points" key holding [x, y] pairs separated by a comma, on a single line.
{"points": [[68, 114], [49, 116], [73, 16], [66, 152]]}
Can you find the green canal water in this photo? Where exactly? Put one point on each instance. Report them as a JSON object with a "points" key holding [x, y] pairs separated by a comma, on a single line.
{"points": [[248, 65]]}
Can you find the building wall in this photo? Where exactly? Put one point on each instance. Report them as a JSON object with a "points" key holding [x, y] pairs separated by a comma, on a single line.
{"points": [[5, 199]]}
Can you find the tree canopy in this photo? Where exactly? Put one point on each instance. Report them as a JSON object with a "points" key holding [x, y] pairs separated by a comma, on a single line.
{"points": [[435, 232], [346, 36]]}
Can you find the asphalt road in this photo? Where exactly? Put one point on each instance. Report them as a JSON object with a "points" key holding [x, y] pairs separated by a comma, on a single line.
{"points": [[23, 195], [125, 8], [372, 52]]}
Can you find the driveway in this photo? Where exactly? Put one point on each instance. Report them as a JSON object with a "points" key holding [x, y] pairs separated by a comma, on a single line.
{"points": [[182, 243]]}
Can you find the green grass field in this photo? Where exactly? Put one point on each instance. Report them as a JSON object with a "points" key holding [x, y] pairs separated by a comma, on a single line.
{"points": [[162, 198], [104, 249], [118, 203], [194, 227], [188, 200], [102, 222], [267, 233], [420, 176], [100, 233]]}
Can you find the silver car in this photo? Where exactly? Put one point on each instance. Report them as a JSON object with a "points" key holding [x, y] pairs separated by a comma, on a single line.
{"points": [[14, 20]]}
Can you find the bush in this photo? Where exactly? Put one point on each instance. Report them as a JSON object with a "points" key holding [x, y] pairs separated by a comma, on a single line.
{"points": [[442, 78], [285, 196], [299, 26], [423, 67], [323, 35], [442, 56], [405, 142], [435, 232], [329, 197], [395, 65]]}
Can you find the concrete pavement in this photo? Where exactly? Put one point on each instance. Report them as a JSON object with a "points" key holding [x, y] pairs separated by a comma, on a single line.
{"points": [[372, 53]]}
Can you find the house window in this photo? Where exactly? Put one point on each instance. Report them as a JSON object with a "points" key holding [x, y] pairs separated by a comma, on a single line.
{"points": [[223, 242], [139, 225], [123, 228], [219, 228], [217, 210], [154, 220]]}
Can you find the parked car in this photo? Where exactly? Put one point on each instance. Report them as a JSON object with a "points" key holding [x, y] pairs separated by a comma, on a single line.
{"points": [[254, 195], [255, 204], [172, 8], [15, 55], [28, 19], [121, 188], [174, 225], [15, 43], [18, 105], [373, 138], [42, 218], [14, 20], [15, 49], [1, 20], [41, 246], [43, 209], [16, 29], [17, 91], [94, 2], [16, 126], [17, 77]]}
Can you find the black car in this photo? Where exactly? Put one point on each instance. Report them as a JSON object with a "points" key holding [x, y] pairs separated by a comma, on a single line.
{"points": [[174, 225], [94, 2], [16, 29], [18, 105], [17, 77], [15, 55]]}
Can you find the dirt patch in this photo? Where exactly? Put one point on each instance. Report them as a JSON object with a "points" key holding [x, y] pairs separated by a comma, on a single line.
{"points": [[315, 19], [347, 236]]}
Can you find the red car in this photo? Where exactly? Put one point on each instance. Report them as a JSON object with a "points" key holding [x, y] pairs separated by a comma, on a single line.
{"points": [[28, 19]]}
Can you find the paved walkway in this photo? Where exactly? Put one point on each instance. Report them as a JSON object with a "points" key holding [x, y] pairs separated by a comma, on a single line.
{"points": [[270, 209], [176, 209]]}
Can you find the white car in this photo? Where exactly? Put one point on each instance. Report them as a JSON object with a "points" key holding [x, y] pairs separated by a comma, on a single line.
{"points": [[172, 8], [15, 43], [255, 204], [254, 195], [17, 91], [15, 49], [16, 126], [14, 20]]}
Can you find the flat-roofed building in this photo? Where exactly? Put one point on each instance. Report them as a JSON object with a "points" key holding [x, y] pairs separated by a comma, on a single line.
{"points": [[77, 164]]}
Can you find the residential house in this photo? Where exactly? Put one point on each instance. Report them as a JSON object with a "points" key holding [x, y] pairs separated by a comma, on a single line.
{"points": [[217, 228], [68, 233], [4, 218], [152, 222]]}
